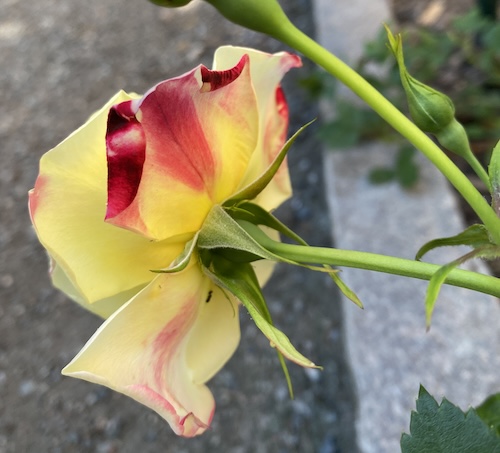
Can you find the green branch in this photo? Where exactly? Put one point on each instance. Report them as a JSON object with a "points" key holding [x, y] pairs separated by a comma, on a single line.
{"points": [[290, 35], [374, 262]]}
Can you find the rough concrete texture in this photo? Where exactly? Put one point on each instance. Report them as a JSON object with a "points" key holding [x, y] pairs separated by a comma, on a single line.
{"points": [[388, 348], [60, 61]]}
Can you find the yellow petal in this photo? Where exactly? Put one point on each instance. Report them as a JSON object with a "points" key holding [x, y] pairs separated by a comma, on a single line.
{"points": [[197, 135], [215, 335], [265, 268], [162, 345], [68, 206], [266, 71], [104, 307]]}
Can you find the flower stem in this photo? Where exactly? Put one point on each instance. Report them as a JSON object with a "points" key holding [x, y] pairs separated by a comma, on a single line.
{"points": [[374, 262], [478, 169], [299, 41]]}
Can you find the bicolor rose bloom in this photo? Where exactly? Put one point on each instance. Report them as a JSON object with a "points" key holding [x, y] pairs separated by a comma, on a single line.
{"points": [[122, 196]]}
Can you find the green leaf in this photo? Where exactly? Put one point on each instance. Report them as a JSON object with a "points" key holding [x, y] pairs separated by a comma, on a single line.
{"points": [[251, 191], [406, 168], [340, 134], [446, 429], [318, 84], [381, 175], [474, 236], [489, 412], [347, 128], [240, 280]]}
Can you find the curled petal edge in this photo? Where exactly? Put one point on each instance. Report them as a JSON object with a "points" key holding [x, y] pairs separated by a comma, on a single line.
{"points": [[161, 347]]}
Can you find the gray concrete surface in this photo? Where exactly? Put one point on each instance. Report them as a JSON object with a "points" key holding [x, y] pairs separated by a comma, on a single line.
{"points": [[344, 26], [59, 62], [387, 346]]}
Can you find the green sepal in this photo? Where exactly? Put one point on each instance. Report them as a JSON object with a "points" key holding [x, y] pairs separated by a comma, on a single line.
{"points": [[230, 238], [345, 290], [241, 281], [288, 379], [220, 231], [489, 412], [453, 137], [474, 236], [439, 277], [494, 176], [261, 305], [255, 188], [253, 213], [234, 233], [181, 262], [444, 428]]}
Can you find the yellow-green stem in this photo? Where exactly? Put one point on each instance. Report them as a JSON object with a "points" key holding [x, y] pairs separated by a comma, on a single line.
{"points": [[293, 37], [374, 262], [478, 169]]}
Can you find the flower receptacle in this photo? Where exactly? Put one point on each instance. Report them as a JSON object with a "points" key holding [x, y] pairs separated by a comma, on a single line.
{"points": [[264, 16], [170, 3]]}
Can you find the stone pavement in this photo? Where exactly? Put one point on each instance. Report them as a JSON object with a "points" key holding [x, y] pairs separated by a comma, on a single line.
{"points": [[387, 347]]}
